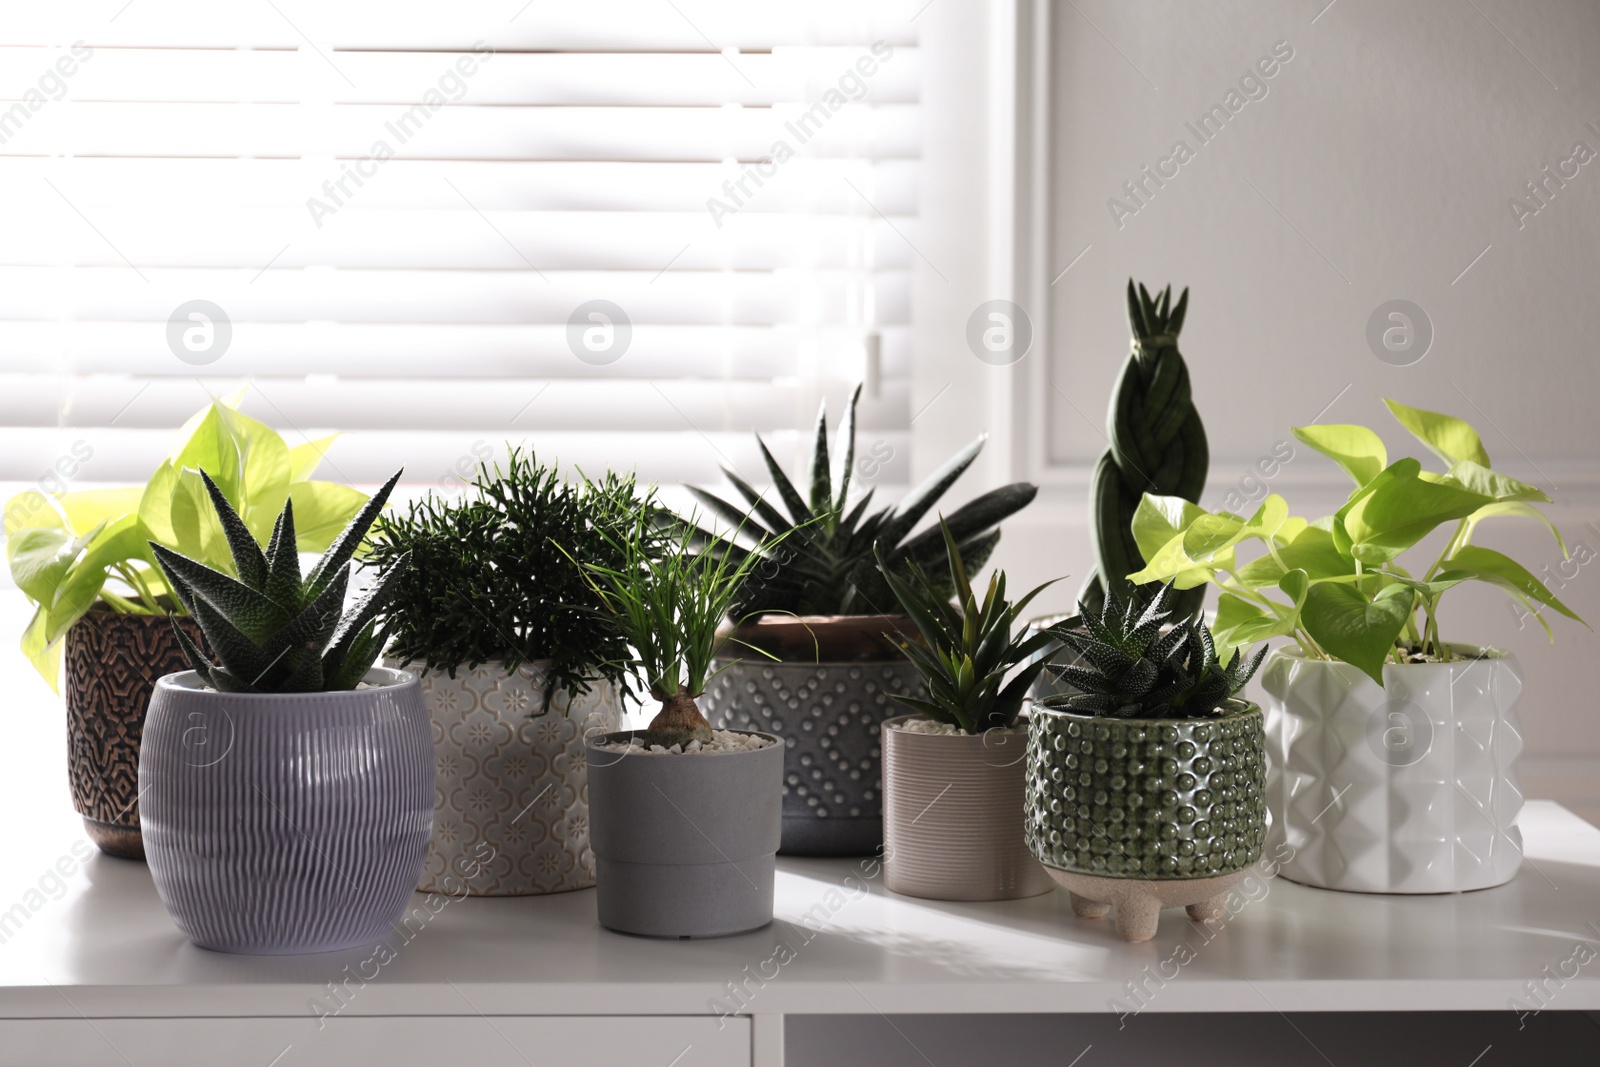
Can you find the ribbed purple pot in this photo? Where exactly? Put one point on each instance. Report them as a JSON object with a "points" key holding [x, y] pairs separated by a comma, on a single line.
{"points": [[283, 823]]}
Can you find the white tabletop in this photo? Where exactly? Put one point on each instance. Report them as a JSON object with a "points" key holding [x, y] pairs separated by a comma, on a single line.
{"points": [[100, 944]]}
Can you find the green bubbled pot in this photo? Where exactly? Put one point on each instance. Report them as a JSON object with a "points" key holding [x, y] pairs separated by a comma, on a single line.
{"points": [[1143, 814]]}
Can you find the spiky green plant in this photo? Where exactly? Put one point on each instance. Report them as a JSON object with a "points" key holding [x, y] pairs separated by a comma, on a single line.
{"points": [[669, 603], [1158, 446], [273, 629], [972, 645], [826, 566], [490, 580], [1128, 668]]}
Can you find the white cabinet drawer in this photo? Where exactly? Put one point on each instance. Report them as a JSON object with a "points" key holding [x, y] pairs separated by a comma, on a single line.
{"points": [[483, 1041]]}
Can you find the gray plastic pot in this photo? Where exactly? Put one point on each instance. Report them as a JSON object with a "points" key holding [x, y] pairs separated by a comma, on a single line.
{"points": [[684, 845], [286, 822]]}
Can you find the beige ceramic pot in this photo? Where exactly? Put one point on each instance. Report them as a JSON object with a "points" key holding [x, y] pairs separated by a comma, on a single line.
{"points": [[953, 816], [511, 797]]}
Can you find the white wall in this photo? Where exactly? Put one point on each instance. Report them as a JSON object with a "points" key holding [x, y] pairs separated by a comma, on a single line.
{"points": [[1376, 163]]}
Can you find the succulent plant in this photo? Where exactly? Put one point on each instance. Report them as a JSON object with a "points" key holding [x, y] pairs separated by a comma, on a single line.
{"points": [[1158, 445], [273, 629], [1135, 663], [972, 645], [826, 566]]}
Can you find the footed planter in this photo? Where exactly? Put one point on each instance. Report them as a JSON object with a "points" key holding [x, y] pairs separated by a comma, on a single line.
{"points": [[1144, 814], [1411, 788], [286, 823], [511, 796], [684, 845], [111, 663], [953, 823], [826, 698]]}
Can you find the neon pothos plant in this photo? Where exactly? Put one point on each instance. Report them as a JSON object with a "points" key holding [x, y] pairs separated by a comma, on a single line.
{"points": [[1341, 591], [972, 645], [69, 551]]}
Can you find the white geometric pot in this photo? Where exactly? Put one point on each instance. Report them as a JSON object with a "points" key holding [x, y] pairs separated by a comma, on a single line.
{"points": [[1411, 788], [511, 797]]}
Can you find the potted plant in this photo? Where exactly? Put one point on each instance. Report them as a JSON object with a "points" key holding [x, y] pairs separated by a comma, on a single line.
{"points": [[1158, 445], [83, 559], [820, 610], [1392, 749], [515, 668], [288, 785], [953, 774], [684, 818], [1146, 781]]}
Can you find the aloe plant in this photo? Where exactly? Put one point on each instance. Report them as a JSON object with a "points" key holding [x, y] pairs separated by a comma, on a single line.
{"points": [[1341, 591], [274, 629], [826, 566], [972, 645], [1134, 661], [1158, 445]]}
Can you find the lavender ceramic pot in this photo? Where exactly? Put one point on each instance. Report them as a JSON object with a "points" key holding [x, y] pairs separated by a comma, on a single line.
{"points": [[284, 823]]}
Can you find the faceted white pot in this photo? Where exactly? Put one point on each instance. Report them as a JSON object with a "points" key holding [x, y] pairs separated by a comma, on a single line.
{"points": [[511, 796], [1411, 788]]}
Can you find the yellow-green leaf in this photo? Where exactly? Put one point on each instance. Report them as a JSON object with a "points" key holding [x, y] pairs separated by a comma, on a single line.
{"points": [[1356, 449], [1451, 439]]}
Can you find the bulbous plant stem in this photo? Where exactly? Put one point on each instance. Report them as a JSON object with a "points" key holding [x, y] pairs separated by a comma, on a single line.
{"points": [[677, 723]]}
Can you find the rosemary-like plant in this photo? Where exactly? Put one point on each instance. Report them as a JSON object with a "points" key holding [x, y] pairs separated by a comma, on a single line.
{"points": [[490, 580]]}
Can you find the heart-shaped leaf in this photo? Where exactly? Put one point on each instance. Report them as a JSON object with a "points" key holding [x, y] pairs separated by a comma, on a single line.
{"points": [[1447, 436], [1351, 628], [1356, 449]]}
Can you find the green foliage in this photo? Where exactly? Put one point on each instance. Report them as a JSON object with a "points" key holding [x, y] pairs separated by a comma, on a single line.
{"points": [[70, 550], [668, 601], [826, 566], [490, 579], [1342, 592], [1158, 446], [1135, 662], [972, 646], [273, 629]]}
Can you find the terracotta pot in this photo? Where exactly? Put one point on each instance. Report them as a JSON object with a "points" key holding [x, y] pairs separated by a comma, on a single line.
{"points": [[1410, 787], [953, 816], [511, 798], [1146, 813], [826, 698], [112, 662]]}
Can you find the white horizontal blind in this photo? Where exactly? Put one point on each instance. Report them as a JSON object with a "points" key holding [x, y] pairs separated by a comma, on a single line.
{"points": [[399, 207]]}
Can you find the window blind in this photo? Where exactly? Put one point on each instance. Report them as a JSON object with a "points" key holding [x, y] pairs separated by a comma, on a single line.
{"points": [[626, 232]]}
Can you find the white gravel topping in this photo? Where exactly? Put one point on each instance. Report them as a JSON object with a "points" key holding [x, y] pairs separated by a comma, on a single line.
{"points": [[721, 741], [930, 726]]}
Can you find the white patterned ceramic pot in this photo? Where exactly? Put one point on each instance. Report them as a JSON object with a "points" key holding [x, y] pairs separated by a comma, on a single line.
{"points": [[511, 800], [1408, 788]]}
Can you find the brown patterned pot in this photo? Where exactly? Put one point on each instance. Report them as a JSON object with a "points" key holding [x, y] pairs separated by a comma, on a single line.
{"points": [[112, 663]]}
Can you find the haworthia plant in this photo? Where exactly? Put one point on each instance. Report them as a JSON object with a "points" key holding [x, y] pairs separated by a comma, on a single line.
{"points": [[826, 565], [273, 629], [1158, 446]]}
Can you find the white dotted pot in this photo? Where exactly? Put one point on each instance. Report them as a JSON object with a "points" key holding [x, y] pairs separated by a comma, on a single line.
{"points": [[511, 796]]}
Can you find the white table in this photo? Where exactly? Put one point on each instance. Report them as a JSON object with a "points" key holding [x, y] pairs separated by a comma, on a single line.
{"points": [[92, 971]]}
